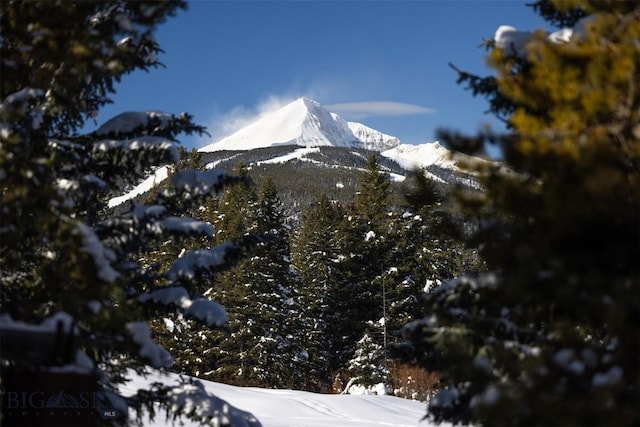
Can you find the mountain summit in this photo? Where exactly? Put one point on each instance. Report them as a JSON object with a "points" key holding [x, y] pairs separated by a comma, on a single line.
{"points": [[303, 122]]}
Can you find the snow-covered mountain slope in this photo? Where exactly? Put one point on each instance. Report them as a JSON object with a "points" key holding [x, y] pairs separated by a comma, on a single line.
{"points": [[332, 163], [429, 154], [154, 179], [289, 408], [415, 156], [305, 123], [371, 138]]}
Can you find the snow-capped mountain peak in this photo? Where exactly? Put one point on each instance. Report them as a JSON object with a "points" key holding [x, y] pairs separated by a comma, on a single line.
{"points": [[303, 122]]}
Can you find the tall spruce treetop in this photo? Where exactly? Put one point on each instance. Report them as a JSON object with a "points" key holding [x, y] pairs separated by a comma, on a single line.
{"points": [[372, 198], [270, 218], [236, 213], [550, 334], [74, 293]]}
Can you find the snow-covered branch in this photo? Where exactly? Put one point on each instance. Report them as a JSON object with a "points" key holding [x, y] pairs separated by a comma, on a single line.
{"points": [[201, 260], [209, 312], [148, 348]]}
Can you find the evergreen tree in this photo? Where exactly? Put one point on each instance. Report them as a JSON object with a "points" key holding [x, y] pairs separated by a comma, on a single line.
{"points": [[236, 212], [315, 257], [191, 343], [367, 367], [232, 220], [69, 264], [364, 239], [265, 344], [372, 197], [365, 245], [426, 246], [278, 350], [337, 254], [550, 335]]}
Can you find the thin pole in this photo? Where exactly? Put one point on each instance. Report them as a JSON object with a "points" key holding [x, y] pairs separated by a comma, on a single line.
{"points": [[384, 319]]}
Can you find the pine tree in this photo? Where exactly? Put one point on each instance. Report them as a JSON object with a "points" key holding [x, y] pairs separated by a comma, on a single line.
{"points": [[235, 215], [356, 265], [365, 244], [315, 257], [191, 343], [69, 264], [372, 198], [278, 350], [428, 248], [236, 211], [264, 348], [367, 367], [550, 335]]}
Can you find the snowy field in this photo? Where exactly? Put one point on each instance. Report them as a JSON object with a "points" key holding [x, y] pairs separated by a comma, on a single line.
{"points": [[288, 408]]}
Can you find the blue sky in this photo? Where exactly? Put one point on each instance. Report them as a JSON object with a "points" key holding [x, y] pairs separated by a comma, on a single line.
{"points": [[227, 61]]}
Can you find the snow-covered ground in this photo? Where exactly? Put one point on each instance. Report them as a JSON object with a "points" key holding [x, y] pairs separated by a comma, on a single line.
{"points": [[289, 408]]}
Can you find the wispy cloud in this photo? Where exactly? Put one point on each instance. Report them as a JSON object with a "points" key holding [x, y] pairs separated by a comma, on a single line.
{"points": [[361, 110]]}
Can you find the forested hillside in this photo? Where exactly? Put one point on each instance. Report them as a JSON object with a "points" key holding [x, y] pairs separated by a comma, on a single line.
{"points": [[333, 171], [319, 302]]}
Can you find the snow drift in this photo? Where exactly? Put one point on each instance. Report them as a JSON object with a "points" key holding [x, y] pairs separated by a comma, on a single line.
{"points": [[290, 408]]}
